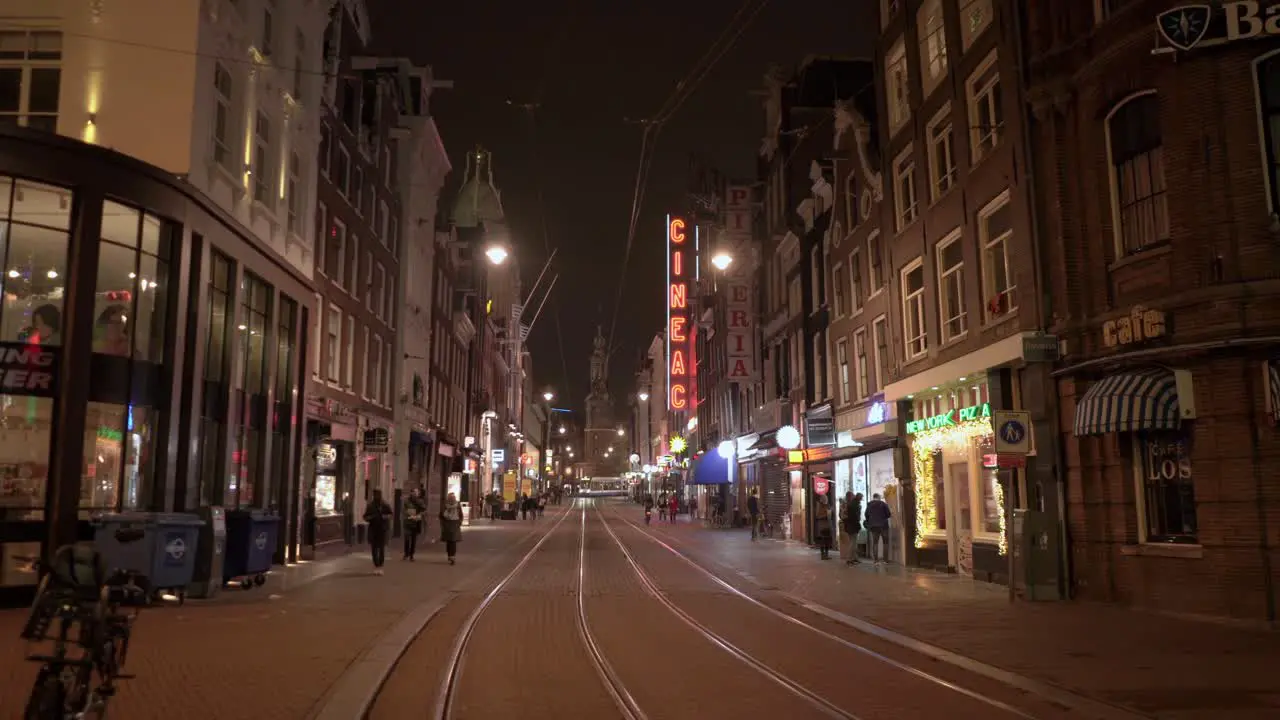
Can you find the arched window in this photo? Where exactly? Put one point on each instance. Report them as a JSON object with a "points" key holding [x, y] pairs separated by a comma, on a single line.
{"points": [[1137, 174], [1269, 108]]}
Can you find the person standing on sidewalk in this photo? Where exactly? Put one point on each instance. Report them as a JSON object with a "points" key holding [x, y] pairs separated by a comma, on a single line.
{"points": [[378, 515], [414, 508], [673, 507], [693, 508], [753, 509], [851, 523], [878, 515], [451, 526], [822, 527]]}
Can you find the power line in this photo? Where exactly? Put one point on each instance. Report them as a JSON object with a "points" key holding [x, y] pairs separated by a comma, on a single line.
{"points": [[653, 126]]}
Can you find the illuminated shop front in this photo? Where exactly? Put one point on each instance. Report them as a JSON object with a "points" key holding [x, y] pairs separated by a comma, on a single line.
{"points": [[958, 488], [863, 461], [148, 333]]}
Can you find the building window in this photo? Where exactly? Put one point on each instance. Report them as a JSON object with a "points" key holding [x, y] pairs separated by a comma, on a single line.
{"points": [[942, 156], [285, 386], [820, 385], [348, 374], [851, 216], [888, 8], [855, 281], [386, 166], [34, 250], [247, 471], [379, 279], [364, 381], [986, 114], [268, 29], [132, 284], [880, 341], [975, 18], [368, 281], [931, 30], [876, 259], [951, 286], [1268, 89], [905, 204], [860, 361], [842, 369], [299, 60], [316, 334], [326, 148], [333, 337], [995, 233], [321, 240], [216, 376], [294, 192], [375, 377], [837, 290], [391, 301], [262, 172], [914, 333], [897, 86], [393, 235], [336, 255], [344, 172], [358, 188], [1168, 493], [815, 278], [30, 77], [353, 276], [384, 224], [222, 122], [1136, 148], [388, 376]]}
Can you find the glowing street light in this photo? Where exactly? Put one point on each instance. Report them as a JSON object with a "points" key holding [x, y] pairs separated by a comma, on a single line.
{"points": [[562, 430], [722, 260], [548, 396], [496, 254], [643, 396], [621, 432], [610, 448]]}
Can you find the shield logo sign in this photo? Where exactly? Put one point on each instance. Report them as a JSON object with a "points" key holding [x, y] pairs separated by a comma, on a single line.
{"points": [[1184, 27]]}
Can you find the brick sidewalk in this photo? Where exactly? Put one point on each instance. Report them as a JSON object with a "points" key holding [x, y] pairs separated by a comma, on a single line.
{"points": [[273, 652], [1165, 667]]}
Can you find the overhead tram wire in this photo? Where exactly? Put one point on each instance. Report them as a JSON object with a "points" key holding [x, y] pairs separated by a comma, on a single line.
{"points": [[653, 127]]}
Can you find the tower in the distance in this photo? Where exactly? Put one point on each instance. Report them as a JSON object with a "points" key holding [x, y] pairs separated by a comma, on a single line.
{"points": [[600, 435]]}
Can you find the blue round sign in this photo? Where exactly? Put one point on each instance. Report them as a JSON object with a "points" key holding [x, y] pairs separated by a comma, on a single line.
{"points": [[1013, 432]]}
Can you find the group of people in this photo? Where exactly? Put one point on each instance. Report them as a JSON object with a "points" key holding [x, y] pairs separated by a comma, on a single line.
{"points": [[379, 516], [527, 505], [852, 517], [668, 505]]}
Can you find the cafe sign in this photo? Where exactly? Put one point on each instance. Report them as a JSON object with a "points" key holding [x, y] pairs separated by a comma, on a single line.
{"points": [[1140, 325], [972, 413], [1204, 25]]}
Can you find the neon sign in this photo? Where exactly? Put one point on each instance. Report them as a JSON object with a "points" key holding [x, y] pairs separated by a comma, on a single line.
{"points": [[680, 261], [951, 417]]}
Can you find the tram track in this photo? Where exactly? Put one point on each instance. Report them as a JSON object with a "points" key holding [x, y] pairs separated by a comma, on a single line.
{"points": [[995, 705]]}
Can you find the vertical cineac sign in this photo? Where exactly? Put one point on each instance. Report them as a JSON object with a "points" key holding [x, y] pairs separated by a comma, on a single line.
{"points": [[680, 268]]}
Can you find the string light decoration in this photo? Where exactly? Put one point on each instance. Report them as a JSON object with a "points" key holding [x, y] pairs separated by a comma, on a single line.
{"points": [[998, 491], [924, 444]]}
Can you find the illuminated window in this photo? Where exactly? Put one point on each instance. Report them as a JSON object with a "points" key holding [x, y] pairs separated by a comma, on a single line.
{"points": [[842, 369], [897, 86], [986, 113], [932, 35], [995, 233]]}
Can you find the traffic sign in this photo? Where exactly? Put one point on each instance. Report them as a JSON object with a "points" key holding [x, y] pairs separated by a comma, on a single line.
{"points": [[1013, 432]]}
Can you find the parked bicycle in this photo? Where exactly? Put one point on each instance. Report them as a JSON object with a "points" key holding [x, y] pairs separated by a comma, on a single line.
{"points": [[86, 613]]}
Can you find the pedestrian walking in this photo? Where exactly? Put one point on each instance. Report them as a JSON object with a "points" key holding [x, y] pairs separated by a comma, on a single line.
{"points": [[495, 503], [378, 515], [693, 508], [542, 504], [851, 524], [673, 507], [415, 508], [451, 526], [662, 506], [822, 527], [524, 506], [877, 517], [753, 509]]}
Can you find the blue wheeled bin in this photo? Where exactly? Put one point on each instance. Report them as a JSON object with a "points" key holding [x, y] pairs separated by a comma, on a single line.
{"points": [[251, 547], [167, 555]]}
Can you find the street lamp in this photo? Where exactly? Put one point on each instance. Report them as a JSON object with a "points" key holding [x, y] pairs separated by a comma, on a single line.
{"points": [[548, 396], [562, 430], [643, 396], [496, 254], [722, 260], [621, 432]]}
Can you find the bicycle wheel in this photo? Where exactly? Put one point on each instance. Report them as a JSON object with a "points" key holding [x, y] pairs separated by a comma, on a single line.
{"points": [[47, 698]]}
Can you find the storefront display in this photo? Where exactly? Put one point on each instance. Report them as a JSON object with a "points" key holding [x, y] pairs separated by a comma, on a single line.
{"points": [[326, 490]]}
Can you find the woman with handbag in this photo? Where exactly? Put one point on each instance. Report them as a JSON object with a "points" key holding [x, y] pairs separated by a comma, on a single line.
{"points": [[415, 506], [451, 526]]}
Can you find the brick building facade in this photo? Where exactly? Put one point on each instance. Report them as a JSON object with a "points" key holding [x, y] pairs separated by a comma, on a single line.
{"points": [[1155, 169]]}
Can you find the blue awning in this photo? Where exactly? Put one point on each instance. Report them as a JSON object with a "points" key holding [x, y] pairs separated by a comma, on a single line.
{"points": [[1127, 402], [710, 469]]}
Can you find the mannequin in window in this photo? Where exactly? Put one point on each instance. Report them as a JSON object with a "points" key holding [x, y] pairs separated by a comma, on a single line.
{"points": [[111, 331]]}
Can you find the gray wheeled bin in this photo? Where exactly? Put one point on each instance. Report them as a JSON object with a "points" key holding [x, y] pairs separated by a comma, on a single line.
{"points": [[167, 555], [251, 547]]}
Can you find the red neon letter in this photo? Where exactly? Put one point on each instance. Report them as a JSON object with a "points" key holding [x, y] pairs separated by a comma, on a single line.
{"points": [[679, 296], [676, 231], [677, 263], [677, 363], [677, 329], [678, 400]]}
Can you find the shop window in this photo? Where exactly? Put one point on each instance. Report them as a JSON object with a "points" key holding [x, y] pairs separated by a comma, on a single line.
{"points": [[118, 452], [1135, 143], [34, 246], [991, 510], [214, 406], [939, 483], [326, 491], [132, 282], [25, 431], [282, 416], [959, 472], [1168, 491], [244, 488]]}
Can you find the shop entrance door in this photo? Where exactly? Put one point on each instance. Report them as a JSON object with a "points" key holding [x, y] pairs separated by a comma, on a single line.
{"points": [[958, 509]]}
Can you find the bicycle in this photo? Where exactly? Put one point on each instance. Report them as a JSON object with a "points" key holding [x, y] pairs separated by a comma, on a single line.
{"points": [[90, 612]]}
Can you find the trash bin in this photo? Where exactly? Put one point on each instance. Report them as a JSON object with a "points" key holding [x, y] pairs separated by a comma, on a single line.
{"points": [[251, 547], [167, 555], [211, 548]]}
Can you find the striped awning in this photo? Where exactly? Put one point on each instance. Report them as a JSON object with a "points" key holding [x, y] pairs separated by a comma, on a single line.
{"points": [[1126, 402], [1273, 387]]}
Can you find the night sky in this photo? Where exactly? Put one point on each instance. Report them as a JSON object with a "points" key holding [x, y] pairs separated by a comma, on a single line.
{"points": [[589, 66]]}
